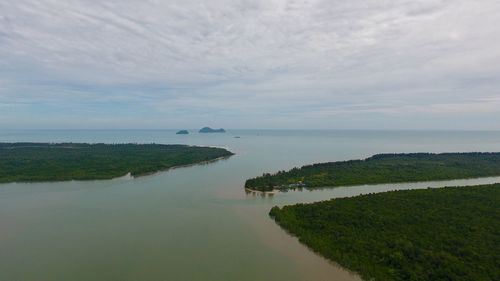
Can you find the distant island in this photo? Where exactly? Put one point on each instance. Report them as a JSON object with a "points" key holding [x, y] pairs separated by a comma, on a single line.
{"points": [[182, 132], [382, 168], [449, 233], [210, 130], [34, 162]]}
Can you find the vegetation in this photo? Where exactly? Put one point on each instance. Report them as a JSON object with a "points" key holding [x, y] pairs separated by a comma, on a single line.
{"points": [[383, 168], [448, 233], [27, 162], [210, 130]]}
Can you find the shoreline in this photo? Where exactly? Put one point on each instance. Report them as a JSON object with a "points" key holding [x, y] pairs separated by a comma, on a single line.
{"points": [[254, 191], [127, 176], [275, 191], [205, 162]]}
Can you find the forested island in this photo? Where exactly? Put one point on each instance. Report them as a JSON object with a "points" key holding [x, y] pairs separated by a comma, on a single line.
{"points": [[382, 168], [33, 162], [450, 233]]}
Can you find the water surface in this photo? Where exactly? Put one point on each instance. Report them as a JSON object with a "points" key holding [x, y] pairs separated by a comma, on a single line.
{"points": [[194, 223]]}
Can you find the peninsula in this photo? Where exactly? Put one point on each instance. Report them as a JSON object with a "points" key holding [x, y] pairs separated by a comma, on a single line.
{"points": [[34, 162], [449, 233], [382, 168], [210, 130]]}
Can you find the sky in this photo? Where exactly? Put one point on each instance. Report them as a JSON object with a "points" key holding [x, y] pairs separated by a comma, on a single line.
{"points": [[325, 64]]}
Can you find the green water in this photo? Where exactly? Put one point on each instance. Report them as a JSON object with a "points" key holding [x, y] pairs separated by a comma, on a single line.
{"points": [[194, 223]]}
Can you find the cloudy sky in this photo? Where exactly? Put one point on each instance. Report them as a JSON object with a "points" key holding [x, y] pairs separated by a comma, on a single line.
{"points": [[376, 64]]}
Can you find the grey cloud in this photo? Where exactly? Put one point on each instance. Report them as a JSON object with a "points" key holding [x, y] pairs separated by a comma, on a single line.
{"points": [[293, 59]]}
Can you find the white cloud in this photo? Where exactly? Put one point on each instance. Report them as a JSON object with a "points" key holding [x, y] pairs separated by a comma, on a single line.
{"points": [[291, 59]]}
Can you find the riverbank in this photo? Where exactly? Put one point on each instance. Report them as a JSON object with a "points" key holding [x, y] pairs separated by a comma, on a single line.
{"points": [[185, 166], [382, 168], [49, 162], [434, 234]]}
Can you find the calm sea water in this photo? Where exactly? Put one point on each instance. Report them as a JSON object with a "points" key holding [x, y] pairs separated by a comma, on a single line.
{"points": [[194, 223]]}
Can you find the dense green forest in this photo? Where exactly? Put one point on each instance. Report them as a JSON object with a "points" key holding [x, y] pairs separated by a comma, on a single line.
{"points": [[450, 233], [28, 162], [383, 168]]}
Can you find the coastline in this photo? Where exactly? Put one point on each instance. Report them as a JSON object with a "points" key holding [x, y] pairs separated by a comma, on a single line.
{"points": [[254, 191], [126, 176], [205, 162], [275, 191]]}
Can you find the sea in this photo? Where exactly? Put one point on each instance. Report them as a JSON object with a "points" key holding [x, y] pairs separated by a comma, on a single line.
{"points": [[198, 222]]}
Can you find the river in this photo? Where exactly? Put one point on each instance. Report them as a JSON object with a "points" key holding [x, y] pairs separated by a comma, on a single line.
{"points": [[193, 223]]}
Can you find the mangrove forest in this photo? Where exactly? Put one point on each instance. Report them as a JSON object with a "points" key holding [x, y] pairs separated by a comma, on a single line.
{"points": [[382, 168], [33, 162], [450, 233]]}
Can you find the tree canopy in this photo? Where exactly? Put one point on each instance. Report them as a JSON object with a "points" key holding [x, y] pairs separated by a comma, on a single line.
{"points": [[383, 168], [28, 162], [450, 233]]}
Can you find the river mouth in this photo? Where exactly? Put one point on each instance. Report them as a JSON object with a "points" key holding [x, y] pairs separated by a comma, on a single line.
{"points": [[192, 223]]}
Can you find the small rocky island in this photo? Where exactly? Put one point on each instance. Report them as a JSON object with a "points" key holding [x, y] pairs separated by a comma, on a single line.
{"points": [[210, 130], [182, 132]]}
